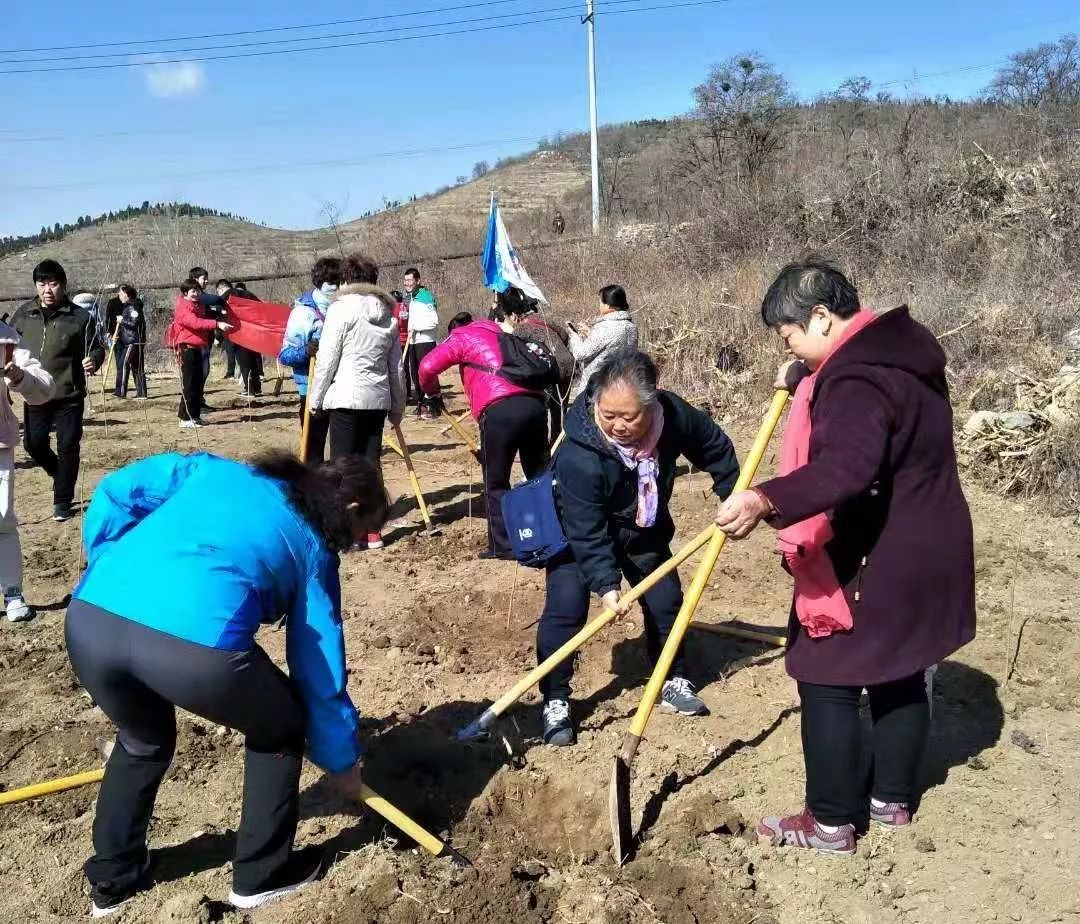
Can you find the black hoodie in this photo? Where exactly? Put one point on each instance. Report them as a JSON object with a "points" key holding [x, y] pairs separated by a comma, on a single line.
{"points": [[598, 493]]}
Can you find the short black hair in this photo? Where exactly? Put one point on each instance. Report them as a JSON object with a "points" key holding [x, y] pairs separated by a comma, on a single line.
{"points": [[129, 290], [223, 282], [359, 267], [50, 271], [512, 302], [802, 286], [240, 285], [459, 320], [615, 297], [327, 270], [187, 285], [196, 271], [412, 271]]}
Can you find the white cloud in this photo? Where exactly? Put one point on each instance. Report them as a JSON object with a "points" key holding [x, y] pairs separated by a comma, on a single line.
{"points": [[182, 78]]}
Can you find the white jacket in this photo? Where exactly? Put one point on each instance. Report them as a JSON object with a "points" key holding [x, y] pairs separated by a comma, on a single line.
{"points": [[612, 333], [358, 366], [36, 386]]}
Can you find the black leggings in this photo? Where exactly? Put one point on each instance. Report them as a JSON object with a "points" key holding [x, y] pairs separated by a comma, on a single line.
{"points": [[356, 433], [832, 745], [138, 676], [192, 383], [517, 424]]}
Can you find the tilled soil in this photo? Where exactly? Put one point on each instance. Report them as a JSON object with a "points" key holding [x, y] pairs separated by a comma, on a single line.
{"points": [[434, 635]]}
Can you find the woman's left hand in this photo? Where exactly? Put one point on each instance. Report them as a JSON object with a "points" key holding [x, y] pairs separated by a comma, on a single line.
{"points": [[740, 514]]}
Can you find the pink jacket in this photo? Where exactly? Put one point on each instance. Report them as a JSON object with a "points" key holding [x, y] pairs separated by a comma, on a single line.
{"points": [[474, 343]]}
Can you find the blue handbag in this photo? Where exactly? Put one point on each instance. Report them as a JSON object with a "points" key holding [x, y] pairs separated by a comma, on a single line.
{"points": [[532, 521]]}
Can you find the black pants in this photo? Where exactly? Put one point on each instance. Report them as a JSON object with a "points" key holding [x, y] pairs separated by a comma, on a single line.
{"points": [[513, 425], [192, 383], [317, 430], [62, 466], [130, 362], [138, 676], [417, 352], [231, 351], [356, 433], [832, 745], [566, 608], [250, 364]]}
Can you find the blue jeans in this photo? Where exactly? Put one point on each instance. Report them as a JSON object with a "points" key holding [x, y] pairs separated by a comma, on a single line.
{"points": [[566, 608]]}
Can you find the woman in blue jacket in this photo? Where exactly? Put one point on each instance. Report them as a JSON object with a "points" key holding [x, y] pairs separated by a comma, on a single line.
{"points": [[615, 473], [178, 629]]}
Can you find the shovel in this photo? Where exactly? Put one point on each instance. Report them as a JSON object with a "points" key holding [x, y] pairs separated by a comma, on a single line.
{"points": [[622, 832], [306, 428], [404, 450], [366, 795]]}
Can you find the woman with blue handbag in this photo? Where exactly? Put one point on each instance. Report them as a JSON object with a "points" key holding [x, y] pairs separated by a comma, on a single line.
{"points": [[614, 476]]}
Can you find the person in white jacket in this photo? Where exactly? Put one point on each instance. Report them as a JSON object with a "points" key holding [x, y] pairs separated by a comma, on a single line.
{"points": [[358, 377], [613, 332], [423, 311], [25, 376]]}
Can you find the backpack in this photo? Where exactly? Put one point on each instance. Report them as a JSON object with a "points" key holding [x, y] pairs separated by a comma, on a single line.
{"points": [[526, 363], [532, 521]]}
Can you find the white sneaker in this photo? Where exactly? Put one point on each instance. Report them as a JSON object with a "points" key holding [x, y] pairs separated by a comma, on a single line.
{"points": [[18, 610], [300, 874], [190, 425]]}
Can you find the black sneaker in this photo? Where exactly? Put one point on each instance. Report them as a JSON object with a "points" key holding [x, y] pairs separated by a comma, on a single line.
{"points": [[303, 868], [558, 729], [104, 901], [62, 513]]}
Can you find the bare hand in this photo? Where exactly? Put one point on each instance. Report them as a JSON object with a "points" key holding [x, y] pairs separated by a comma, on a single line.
{"points": [[349, 782], [740, 514], [613, 601], [89, 366], [790, 374], [13, 374], [395, 418], [224, 326]]}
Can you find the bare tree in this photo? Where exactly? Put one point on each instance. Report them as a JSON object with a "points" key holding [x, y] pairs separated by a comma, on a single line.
{"points": [[1047, 75], [745, 107], [480, 168]]}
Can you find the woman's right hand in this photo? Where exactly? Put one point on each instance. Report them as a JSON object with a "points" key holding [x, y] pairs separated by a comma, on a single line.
{"points": [[349, 782], [790, 374], [613, 601]]}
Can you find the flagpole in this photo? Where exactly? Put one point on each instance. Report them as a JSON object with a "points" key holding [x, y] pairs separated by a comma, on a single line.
{"points": [[590, 19]]}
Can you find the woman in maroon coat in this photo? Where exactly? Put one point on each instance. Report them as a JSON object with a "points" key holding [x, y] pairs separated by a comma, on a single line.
{"points": [[877, 534]]}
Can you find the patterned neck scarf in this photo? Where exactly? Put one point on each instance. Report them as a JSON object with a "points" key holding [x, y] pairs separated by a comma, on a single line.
{"points": [[642, 456]]}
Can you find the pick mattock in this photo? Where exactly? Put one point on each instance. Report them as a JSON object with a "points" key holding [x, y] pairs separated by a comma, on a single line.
{"points": [[432, 530], [462, 433], [480, 726], [305, 430], [366, 795], [619, 789]]}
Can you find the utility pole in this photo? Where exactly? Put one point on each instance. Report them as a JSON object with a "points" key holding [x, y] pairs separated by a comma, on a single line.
{"points": [[590, 19]]}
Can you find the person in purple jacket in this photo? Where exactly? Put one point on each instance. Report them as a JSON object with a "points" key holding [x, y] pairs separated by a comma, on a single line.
{"points": [[883, 555]]}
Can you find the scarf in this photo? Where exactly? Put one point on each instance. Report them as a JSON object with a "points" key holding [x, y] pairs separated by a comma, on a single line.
{"points": [[642, 456], [820, 604]]}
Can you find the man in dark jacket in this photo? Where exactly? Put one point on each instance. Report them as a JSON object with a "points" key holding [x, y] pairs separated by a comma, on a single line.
{"points": [[615, 474], [66, 341]]}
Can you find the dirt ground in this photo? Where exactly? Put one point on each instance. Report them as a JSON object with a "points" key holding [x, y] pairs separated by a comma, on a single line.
{"points": [[434, 635]]}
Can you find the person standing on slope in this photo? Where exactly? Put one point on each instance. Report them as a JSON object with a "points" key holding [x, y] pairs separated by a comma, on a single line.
{"points": [[423, 311]]}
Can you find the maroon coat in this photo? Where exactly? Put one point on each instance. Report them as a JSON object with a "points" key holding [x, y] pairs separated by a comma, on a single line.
{"points": [[882, 460]]}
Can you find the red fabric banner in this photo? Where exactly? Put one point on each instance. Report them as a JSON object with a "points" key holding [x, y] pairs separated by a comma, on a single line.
{"points": [[259, 326]]}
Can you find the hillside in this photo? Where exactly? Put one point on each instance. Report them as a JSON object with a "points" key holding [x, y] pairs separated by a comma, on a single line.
{"points": [[150, 248]]}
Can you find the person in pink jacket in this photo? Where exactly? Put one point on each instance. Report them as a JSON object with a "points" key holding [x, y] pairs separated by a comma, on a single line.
{"points": [[512, 419]]}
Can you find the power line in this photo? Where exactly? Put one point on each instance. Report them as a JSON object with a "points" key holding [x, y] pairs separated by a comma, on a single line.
{"points": [[264, 168], [323, 47], [112, 55], [266, 30]]}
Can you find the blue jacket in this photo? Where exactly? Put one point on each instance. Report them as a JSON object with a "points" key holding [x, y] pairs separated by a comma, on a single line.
{"points": [[304, 325], [212, 580], [597, 493]]}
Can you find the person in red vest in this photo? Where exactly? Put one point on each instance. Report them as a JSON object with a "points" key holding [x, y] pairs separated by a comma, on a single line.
{"points": [[190, 333]]}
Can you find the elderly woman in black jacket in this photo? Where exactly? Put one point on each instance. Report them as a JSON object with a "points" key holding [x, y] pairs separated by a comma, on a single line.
{"points": [[615, 474]]}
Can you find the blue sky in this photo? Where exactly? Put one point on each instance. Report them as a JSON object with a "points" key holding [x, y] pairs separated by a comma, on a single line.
{"points": [[217, 132]]}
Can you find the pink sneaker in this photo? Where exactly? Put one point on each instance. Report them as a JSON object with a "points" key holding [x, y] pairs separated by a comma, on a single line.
{"points": [[891, 815], [803, 830], [374, 540]]}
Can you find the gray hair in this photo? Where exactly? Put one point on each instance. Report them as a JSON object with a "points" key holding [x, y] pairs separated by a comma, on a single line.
{"points": [[630, 368]]}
